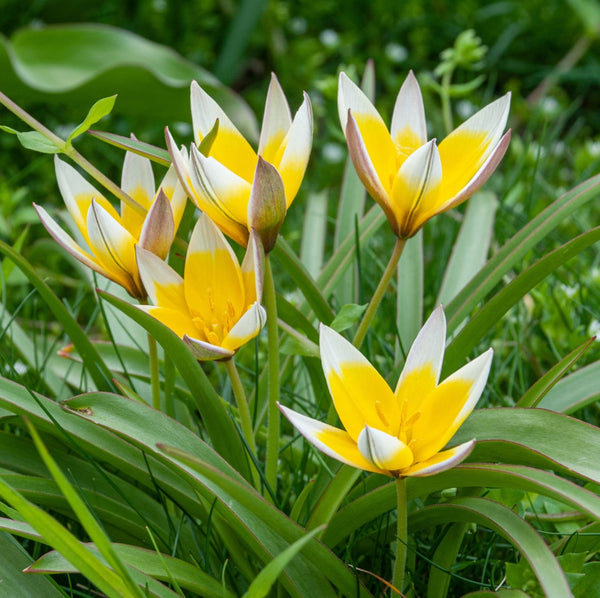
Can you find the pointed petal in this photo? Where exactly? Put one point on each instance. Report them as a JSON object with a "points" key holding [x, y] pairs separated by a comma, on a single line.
{"points": [[446, 408], [335, 443], [204, 351], [163, 285], [63, 239], [212, 277], [276, 123], [383, 450], [222, 195], [137, 179], [409, 128], [114, 247], [267, 205], [175, 319], [230, 148], [181, 163], [297, 144], [416, 189], [360, 394], [441, 461], [253, 269], [176, 194], [246, 328], [469, 146], [77, 194], [159, 229]]}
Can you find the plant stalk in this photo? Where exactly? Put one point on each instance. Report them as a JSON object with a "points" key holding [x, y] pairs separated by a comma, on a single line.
{"points": [[401, 535], [379, 292], [154, 372]]}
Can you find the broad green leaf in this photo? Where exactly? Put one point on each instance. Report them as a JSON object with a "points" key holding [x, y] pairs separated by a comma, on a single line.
{"points": [[35, 141], [491, 312], [263, 582], [156, 154], [509, 525], [574, 391], [313, 232], [348, 316], [76, 64], [94, 364], [539, 390], [471, 247], [443, 560], [152, 564], [99, 110], [217, 421], [16, 583], [514, 250]]}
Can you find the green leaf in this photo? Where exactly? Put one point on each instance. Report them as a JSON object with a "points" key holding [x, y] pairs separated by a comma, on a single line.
{"points": [[314, 230], [218, 423], [156, 154], [99, 110], [574, 391], [209, 139], [35, 141], [509, 525], [348, 316], [263, 582], [539, 390]]}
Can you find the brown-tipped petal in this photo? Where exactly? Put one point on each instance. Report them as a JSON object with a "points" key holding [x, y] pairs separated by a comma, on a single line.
{"points": [[159, 227], [267, 205], [204, 351]]}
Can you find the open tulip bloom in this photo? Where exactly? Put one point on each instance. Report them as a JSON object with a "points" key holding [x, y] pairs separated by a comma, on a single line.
{"points": [[398, 433], [241, 189], [215, 308], [111, 238], [411, 178]]}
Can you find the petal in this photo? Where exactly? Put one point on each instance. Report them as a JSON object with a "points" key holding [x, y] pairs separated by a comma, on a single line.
{"points": [[253, 269], [246, 328], [137, 180], [469, 146], [177, 320], [63, 239], [158, 230], [181, 163], [297, 146], [222, 195], [441, 461], [360, 394], [386, 452], [204, 351], [176, 194], [409, 128], [229, 147], [212, 276], [372, 130], [416, 189], [276, 123], [114, 247], [446, 408], [77, 194], [163, 285], [335, 443]]}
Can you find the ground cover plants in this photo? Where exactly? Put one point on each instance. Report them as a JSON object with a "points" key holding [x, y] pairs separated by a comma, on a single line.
{"points": [[345, 348]]}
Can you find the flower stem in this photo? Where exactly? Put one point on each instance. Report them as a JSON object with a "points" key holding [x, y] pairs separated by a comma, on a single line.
{"points": [[270, 302], [445, 97], [241, 402], [379, 292], [65, 147], [401, 535], [154, 372]]}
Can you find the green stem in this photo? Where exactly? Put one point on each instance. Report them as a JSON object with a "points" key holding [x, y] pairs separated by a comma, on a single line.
{"points": [[241, 402], [69, 150], [270, 302], [401, 536], [154, 372], [379, 292], [446, 107]]}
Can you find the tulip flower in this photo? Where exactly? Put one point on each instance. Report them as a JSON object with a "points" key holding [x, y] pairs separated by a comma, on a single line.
{"points": [[215, 308], [241, 189], [411, 178], [111, 238], [398, 433]]}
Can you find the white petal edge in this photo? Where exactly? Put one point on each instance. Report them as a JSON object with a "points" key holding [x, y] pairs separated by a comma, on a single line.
{"points": [[172, 186], [455, 456], [409, 110], [351, 97], [277, 116], [254, 263], [155, 271], [204, 351], [337, 351], [181, 163], [137, 171], [207, 236], [381, 448], [247, 327], [428, 347]]}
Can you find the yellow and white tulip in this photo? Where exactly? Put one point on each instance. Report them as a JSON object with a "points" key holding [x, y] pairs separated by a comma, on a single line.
{"points": [[215, 308], [403, 432], [411, 178], [241, 189], [111, 237]]}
